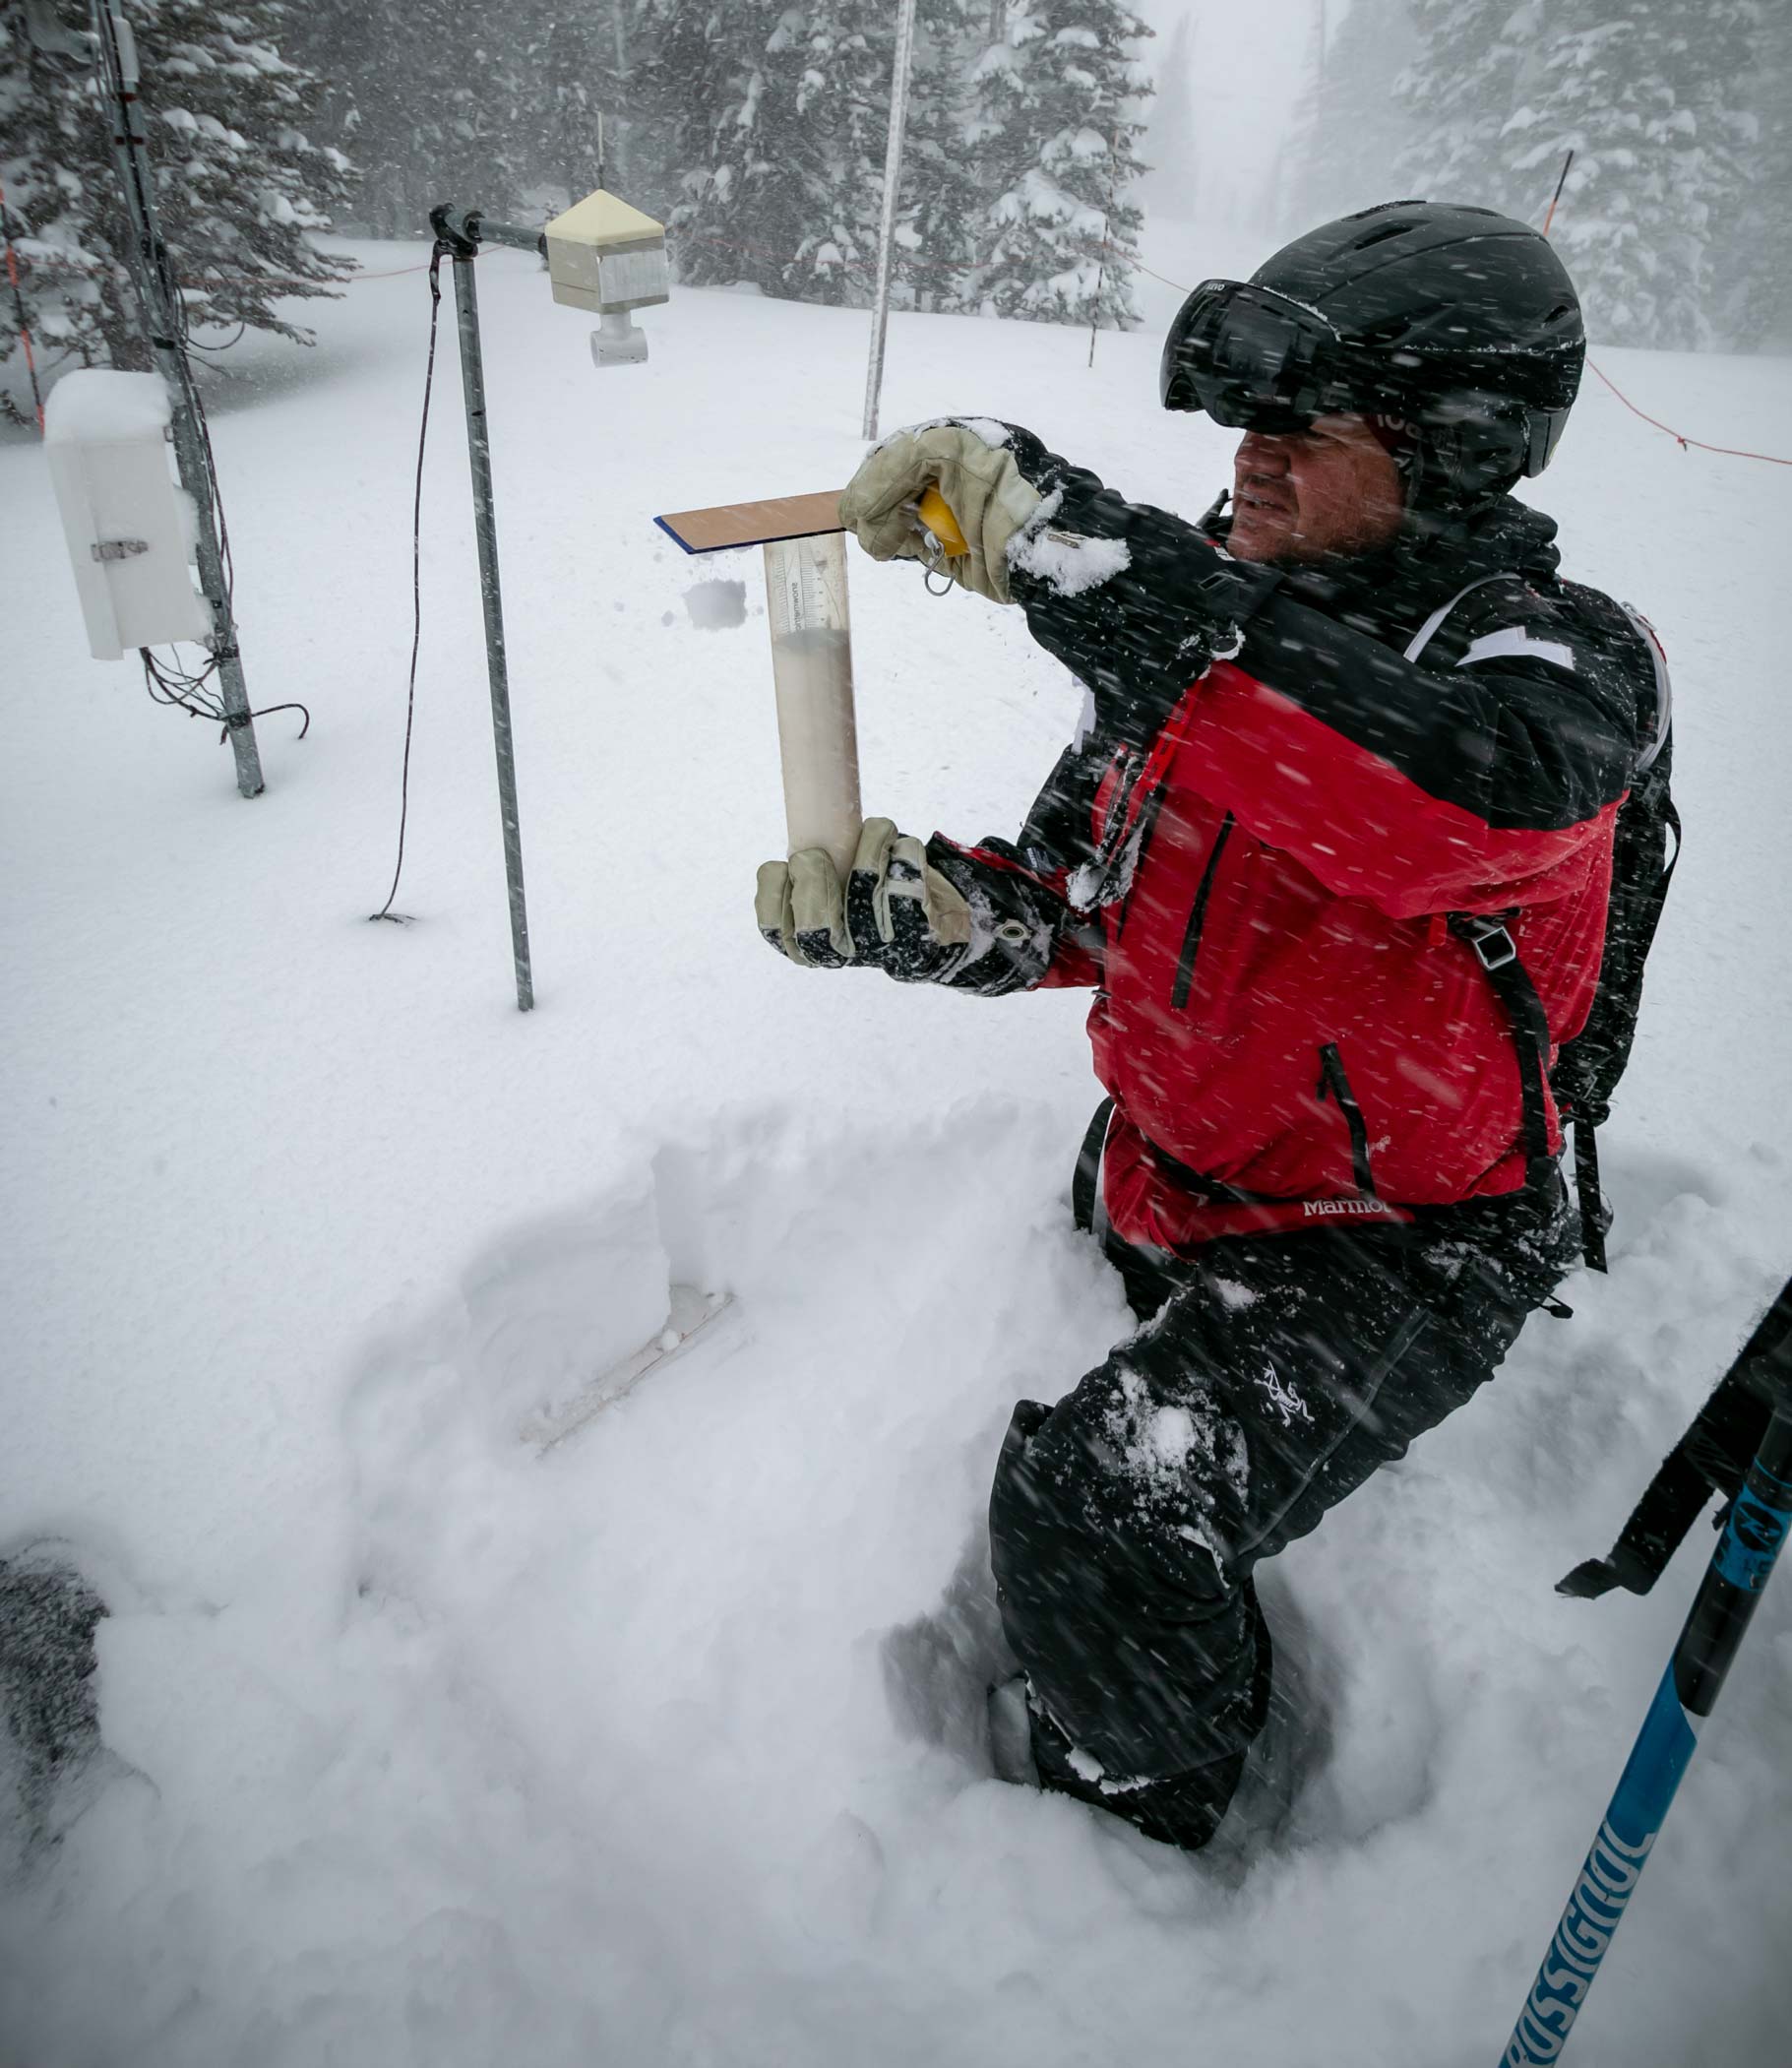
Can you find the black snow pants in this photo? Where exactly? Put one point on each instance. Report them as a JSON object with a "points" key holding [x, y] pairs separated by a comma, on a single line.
{"points": [[1270, 1377]]}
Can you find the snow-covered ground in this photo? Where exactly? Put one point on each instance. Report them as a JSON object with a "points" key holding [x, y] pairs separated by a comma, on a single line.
{"points": [[668, 1748]]}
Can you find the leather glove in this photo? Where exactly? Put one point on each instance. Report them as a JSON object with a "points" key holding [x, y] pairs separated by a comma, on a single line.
{"points": [[992, 500], [896, 912]]}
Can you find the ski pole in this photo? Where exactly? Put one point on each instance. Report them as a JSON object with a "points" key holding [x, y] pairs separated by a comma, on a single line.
{"points": [[1756, 1527]]}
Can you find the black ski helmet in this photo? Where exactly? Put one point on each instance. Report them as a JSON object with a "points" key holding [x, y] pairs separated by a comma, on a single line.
{"points": [[1461, 322]]}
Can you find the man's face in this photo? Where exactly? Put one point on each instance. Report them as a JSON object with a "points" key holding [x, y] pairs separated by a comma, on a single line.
{"points": [[1301, 495]]}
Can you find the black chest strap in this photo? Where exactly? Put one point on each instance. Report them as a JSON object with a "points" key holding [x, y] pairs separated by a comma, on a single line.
{"points": [[1490, 936]]}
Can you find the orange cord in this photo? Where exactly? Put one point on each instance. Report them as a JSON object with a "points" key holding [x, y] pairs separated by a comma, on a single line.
{"points": [[1736, 452]]}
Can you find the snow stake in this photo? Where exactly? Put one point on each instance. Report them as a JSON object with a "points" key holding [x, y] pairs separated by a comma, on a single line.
{"points": [[601, 255], [1550, 213], [811, 647], [1755, 1529], [893, 181]]}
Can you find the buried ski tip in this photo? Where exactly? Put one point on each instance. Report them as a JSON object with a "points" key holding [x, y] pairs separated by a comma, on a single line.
{"points": [[691, 1310]]}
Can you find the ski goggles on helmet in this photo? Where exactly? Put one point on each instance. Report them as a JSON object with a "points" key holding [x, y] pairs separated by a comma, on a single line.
{"points": [[1254, 361]]}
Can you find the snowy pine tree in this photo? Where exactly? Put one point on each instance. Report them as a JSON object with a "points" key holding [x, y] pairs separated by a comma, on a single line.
{"points": [[1460, 88], [1022, 121], [425, 107], [1754, 245], [1646, 98], [240, 184], [1170, 137], [1057, 103], [939, 196], [778, 137], [444, 100], [1350, 130], [1649, 99], [565, 65]]}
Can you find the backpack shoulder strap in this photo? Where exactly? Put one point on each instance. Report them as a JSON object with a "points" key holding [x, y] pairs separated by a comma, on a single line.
{"points": [[1430, 629], [1664, 688]]}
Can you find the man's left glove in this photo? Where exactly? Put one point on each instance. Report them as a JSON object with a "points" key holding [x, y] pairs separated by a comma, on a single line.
{"points": [[896, 912], [988, 494]]}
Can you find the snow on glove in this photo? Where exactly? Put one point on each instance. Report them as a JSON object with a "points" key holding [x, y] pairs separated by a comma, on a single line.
{"points": [[896, 912], [992, 500]]}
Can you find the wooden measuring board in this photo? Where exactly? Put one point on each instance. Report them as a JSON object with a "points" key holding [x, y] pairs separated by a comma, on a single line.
{"points": [[754, 524]]}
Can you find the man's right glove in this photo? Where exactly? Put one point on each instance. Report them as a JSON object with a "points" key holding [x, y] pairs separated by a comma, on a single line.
{"points": [[896, 912], [989, 496]]}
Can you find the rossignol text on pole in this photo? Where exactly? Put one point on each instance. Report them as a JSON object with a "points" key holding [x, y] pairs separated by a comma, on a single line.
{"points": [[1755, 1529]]}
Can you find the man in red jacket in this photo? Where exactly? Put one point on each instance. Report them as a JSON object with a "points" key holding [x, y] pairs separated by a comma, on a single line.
{"points": [[1334, 848]]}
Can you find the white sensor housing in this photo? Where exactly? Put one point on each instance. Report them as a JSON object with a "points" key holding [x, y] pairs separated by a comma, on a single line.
{"points": [[606, 257], [129, 526]]}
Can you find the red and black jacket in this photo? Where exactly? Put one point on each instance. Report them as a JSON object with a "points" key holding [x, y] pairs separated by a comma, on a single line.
{"points": [[1267, 864]]}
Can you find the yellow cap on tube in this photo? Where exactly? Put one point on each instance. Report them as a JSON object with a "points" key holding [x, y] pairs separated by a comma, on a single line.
{"points": [[936, 514]]}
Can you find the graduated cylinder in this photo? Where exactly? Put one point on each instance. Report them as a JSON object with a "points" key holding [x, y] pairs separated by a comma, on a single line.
{"points": [[812, 671]]}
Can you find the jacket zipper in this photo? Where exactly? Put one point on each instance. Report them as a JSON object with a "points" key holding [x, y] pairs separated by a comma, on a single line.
{"points": [[1333, 1080], [1147, 826], [1191, 940]]}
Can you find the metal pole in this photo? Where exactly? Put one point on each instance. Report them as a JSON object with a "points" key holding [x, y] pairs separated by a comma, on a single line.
{"points": [[1550, 213], [1101, 264], [152, 279], [485, 527], [893, 174]]}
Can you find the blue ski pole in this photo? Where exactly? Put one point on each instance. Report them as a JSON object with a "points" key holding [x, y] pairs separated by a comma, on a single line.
{"points": [[1756, 1527]]}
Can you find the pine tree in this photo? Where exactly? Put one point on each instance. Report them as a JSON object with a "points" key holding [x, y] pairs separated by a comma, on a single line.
{"points": [[1170, 138], [779, 137], [841, 121], [1753, 258], [938, 195], [1350, 131], [1056, 115], [572, 65], [661, 96], [703, 86], [241, 186], [1644, 97], [1648, 98], [1461, 87], [426, 109]]}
